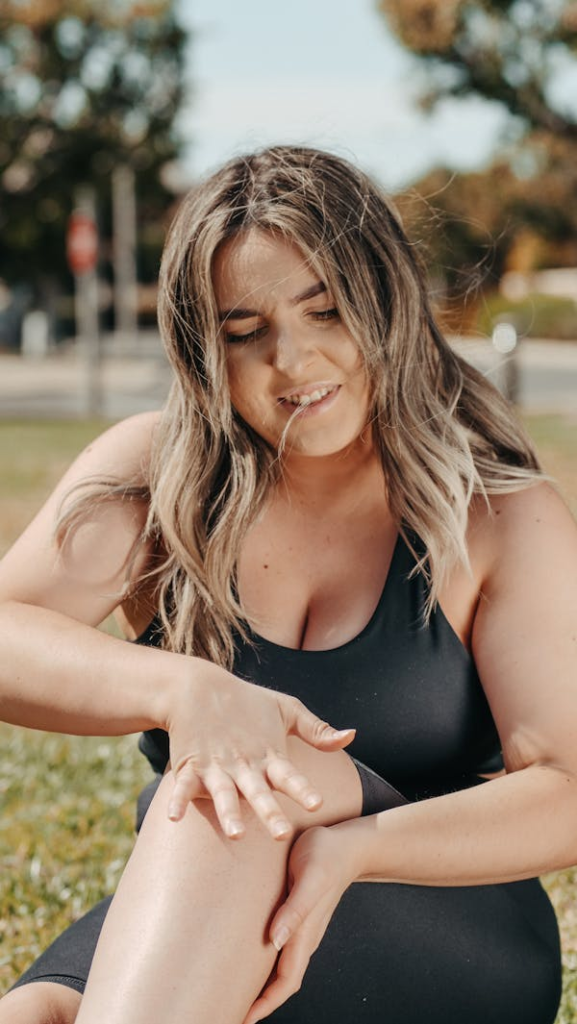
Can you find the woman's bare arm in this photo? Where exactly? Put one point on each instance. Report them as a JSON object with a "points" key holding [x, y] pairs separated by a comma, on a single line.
{"points": [[58, 672], [525, 648]]}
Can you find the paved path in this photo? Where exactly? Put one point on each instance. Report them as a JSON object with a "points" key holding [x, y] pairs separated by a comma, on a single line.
{"points": [[54, 387], [547, 372]]}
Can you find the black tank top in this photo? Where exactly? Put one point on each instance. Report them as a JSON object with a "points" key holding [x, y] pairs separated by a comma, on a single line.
{"points": [[411, 691]]}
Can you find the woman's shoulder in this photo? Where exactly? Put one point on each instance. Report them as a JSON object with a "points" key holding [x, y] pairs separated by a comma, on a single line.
{"points": [[122, 451], [86, 577], [511, 532]]}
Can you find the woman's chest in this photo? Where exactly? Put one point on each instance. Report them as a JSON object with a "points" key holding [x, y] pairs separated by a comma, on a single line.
{"points": [[316, 587], [313, 586], [411, 692]]}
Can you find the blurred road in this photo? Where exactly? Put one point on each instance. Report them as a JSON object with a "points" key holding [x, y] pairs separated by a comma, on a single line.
{"points": [[547, 372], [54, 386]]}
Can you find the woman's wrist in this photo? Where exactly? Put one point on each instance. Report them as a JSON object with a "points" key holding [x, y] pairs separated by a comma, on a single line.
{"points": [[188, 682], [370, 847], [177, 685], [356, 838]]}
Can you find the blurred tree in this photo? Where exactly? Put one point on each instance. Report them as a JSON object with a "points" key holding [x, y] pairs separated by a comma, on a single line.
{"points": [[516, 52], [518, 214], [85, 85], [521, 212]]}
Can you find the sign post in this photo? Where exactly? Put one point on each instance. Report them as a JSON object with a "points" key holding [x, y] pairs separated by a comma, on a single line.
{"points": [[82, 253], [124, 251]]}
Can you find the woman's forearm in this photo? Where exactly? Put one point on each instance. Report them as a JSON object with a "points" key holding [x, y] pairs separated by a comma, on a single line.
{"points": [[517, 826], [63, 676]]}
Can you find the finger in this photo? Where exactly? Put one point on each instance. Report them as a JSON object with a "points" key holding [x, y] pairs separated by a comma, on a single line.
{"points": [[226, 802], [316, 732], [290, 971], [254, 788], [302, 900], [283, 776], [187, 787]]}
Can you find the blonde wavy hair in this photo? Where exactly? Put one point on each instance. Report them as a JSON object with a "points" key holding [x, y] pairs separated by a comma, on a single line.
{"points": [[442, 431]]}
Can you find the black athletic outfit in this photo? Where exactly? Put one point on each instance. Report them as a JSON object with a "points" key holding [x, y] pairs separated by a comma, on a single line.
{"points": [[394, 953]]}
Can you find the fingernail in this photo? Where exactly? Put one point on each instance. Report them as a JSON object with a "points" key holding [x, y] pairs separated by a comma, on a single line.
{"points": [[342, 732], [280, 828], [313, 800], [173, 812], [280, 937], [234, 828]]}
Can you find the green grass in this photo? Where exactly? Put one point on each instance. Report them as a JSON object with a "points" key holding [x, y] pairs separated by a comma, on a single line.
{"points": [[33, 456], [555, 434], [556, 440], [66, 829], [67, 803], [32, 453]]}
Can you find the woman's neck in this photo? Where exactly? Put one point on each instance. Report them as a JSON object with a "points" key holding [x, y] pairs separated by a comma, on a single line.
{"points": [[332, 482]]}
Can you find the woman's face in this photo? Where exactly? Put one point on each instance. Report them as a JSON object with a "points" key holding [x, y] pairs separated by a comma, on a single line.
{"points": [[287, 349]]}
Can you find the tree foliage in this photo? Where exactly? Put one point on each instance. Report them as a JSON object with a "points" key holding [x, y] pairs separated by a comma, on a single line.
{"points": [[521, 212], [509, 51], [85, 85], [518, 214]]}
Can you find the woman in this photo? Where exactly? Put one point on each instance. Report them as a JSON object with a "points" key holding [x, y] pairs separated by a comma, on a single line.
{"points": [[333, 516]]}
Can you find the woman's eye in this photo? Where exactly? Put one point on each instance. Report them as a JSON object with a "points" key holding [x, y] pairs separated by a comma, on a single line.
{"points": [[326, 314], [251, 336]]}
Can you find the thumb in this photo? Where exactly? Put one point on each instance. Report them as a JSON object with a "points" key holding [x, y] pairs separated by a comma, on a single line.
{"points": [[318, 733], [301, 900]]}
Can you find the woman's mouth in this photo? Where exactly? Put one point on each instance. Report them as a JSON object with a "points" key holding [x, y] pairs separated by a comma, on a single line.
{"points": [[312, 400]]}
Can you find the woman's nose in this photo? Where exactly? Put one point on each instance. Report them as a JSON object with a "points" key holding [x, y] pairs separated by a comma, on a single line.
{"points": [[292, 352]]}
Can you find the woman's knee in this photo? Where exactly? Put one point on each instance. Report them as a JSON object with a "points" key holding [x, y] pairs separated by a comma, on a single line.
{"points": [[198, 840], [335, 776], [40, 1002], [333, 773]]}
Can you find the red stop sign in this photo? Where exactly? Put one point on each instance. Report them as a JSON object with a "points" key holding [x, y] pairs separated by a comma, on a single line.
{"points": [[81, 243]]}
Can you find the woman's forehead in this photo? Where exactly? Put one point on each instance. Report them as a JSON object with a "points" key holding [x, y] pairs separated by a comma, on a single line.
{"points": [[257, 266]]}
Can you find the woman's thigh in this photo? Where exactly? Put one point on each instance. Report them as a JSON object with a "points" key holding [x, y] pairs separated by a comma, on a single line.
{"points": [[194, 907], [185, 882]]}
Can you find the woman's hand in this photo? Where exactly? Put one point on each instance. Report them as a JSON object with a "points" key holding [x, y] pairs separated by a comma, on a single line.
{"points": [[229, 738], [322, 865]]}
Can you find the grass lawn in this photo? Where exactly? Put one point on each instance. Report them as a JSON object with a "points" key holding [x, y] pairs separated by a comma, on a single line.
{"points": [[67, 803]]}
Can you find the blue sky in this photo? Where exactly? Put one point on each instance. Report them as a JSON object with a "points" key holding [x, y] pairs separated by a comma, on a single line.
{"points": [[321, 72]]}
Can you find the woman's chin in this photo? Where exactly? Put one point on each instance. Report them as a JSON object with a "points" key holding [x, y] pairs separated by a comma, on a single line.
{"points": [[324, 447]]}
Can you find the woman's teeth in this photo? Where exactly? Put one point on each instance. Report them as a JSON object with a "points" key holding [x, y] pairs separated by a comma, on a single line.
{"points": [[304, 400]]}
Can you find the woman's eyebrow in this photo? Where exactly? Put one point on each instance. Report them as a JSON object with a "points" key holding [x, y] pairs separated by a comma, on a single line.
{"points": [[315, 289], [237, 314], [246, 314]]}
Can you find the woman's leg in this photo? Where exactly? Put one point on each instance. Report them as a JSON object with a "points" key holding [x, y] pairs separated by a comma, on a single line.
{"points": [[186, 935], [40, 1003]]}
